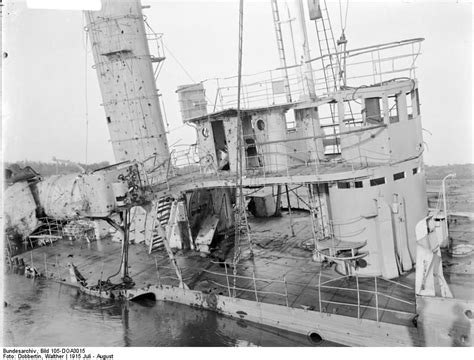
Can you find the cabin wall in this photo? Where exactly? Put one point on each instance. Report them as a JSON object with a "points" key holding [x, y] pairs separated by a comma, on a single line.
{"points": [[400, 139], [206, 148], [405, 139], [298, 153], [307, 123], [365, 146], [271, 126], [360, 214]]}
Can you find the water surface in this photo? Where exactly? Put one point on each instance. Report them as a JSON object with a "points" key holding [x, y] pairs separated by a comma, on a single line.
{"points": [[45, 313]]}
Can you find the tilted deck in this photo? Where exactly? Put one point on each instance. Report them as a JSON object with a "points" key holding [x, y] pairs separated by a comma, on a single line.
{"points": [[280, 272]]}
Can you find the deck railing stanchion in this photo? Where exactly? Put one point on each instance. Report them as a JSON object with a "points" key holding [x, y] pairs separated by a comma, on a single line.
{"points": [[319, 294], [101, 276], [255, 286], [376, 300], [45, 267], [57, 268], [358, 297], [157, 272], [227, 279], [286, 291], [31, 254], [289, 210], [380, 66]]}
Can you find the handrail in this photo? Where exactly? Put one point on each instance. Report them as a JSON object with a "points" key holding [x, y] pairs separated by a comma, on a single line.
{"points": [[259, 88], [377, 47], [363, 129], [319, 287]]}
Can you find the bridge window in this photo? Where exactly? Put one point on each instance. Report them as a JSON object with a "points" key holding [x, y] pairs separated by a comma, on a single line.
{"points": [[398, 176], [416, 170], [358, 184], [378, 181], [343, 185], [413, 104], [393, 109], [372, 111]]}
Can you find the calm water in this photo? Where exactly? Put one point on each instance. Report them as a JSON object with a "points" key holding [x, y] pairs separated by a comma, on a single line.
{"points": [[43, 313]]}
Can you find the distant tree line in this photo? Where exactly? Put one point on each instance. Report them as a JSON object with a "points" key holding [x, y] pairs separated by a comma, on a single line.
{"points": [[462, 171], [58, 167]]}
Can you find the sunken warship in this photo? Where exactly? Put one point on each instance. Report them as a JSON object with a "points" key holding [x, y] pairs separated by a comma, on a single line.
{"points": [[301, 206]]}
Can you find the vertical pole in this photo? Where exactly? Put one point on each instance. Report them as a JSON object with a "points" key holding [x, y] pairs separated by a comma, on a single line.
{"points": [[227, 279], [319, 294], [308, 73], [57, 268], [255, 286], [239, 171], [289, 210], [31, 254], [445, 206], [101, 276], [126, 216], [278, 201], [157, 271], [376, 300], [45, 266], [286, 291], [358, 297]]}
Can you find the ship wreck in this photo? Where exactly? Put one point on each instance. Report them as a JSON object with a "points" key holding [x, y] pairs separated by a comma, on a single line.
{"points": [[302, 205]]}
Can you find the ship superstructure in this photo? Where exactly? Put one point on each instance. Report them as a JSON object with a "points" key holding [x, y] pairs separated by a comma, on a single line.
{"points": [[302, 205]]}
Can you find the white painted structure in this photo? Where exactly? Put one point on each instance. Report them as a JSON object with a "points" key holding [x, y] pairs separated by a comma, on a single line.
{"points": [[124, 69]]}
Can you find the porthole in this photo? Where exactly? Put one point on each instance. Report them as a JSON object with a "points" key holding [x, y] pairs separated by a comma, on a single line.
{"points": [[260, 125], [315, 338]]}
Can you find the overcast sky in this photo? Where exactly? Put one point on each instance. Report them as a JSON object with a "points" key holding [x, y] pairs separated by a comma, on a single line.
{"points": [[48, 67]]}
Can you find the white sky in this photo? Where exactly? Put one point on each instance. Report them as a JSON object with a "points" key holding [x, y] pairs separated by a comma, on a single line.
{"points": [[45, 73]]}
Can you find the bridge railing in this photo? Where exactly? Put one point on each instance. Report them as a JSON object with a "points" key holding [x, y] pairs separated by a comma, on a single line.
{"points": [[364, 66]]}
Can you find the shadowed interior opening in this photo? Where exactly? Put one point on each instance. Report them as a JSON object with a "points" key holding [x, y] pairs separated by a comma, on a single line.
{"points": [[146, 299], [314, 338]]}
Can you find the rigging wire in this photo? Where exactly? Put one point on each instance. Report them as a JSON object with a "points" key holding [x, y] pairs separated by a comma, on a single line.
{"points": [[85, 42], [183, 68], [343, 24], [179, 63]]}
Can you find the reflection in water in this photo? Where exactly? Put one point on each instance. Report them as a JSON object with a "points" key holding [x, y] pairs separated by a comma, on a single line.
{"points": [[43, 313]]}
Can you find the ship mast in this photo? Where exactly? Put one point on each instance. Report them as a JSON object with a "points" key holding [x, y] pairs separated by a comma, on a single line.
{"points": [[308, 70]]}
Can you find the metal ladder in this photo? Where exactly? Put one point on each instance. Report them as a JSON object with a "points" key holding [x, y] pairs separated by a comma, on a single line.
{"points": [[162, 210], [281, 47], [316, 214], [330, 62], [327, 48]]}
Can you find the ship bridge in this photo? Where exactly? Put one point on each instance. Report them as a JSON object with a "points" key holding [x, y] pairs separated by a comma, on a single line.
{"points": [[354, 151]]}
